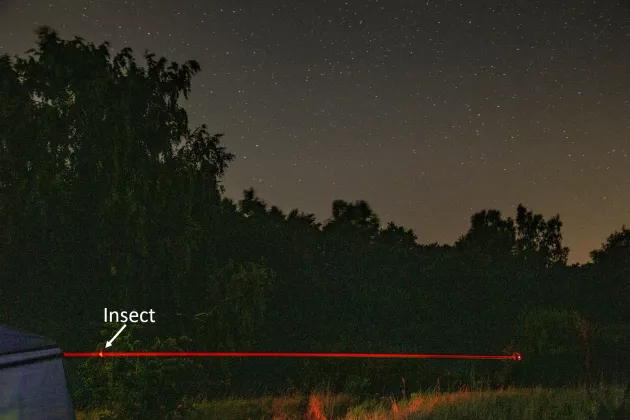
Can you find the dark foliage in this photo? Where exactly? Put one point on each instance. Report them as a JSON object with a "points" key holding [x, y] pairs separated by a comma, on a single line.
{"points": [[109, 199]]}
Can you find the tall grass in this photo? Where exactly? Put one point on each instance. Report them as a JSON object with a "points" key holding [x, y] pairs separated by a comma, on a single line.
{"points": [[517, 404]]}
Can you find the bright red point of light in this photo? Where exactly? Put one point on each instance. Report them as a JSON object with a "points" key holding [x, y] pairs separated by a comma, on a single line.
{"points": [[102, 354]]}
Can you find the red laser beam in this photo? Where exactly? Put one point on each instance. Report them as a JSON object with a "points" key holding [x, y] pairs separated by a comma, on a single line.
{"points": [[102, 354]]}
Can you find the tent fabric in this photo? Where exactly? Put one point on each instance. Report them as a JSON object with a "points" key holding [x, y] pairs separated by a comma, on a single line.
{"points": [[32, 379], [13, 340]]}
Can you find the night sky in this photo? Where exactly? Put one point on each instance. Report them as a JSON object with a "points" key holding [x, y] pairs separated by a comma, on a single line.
{"points": [[430, 111]]}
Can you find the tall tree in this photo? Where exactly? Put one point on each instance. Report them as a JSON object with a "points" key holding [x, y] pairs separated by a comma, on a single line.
{"points": [[611, 264], [105, 176], [251, 205], [354, 219], [489, 235], [395, 235], [615, 251], [539, 241]]}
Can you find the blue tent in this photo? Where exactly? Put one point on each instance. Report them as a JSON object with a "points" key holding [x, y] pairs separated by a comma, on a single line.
{"points": [[32, 379]]}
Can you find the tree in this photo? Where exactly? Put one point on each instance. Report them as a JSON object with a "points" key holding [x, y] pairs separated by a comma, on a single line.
{"points": [[395, 235], [533, 239], [251, 205], [237, 297], [489, 235], [145, 388], [296, 217], [615, 252], [107, 183], [353, 219], [612, 267], [555, 346], [538, 241]]}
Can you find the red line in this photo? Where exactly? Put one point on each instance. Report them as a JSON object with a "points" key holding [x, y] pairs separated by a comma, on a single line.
{"points": [[101, 353]]}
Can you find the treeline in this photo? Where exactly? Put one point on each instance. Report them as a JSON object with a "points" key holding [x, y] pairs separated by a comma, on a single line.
{"points": [[109, 199]]}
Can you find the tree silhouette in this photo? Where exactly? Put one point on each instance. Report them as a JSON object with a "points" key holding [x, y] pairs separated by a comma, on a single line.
{"points": [[538, 241], [251, 205], [353, 219], [615, 252], [96, 165], [395, 235], [489, 235], [612, 263], [109, 199]]}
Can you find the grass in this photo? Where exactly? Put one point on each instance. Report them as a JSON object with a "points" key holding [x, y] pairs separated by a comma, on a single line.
{"points": [[525, 404], [517, 404]]}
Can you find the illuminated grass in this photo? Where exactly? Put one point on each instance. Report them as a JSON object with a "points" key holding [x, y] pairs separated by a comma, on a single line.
{"points": [[517, 404], [525, 404]]}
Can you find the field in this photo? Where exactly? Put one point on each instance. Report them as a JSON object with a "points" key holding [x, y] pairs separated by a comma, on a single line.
{"points": [[526, 404]]}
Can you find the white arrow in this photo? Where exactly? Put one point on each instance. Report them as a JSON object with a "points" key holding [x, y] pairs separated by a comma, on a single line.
{"points": [[109, 343]]}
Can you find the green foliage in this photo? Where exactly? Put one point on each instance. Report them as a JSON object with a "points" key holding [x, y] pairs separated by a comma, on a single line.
{"points": [[555, 346], [236, 409], [137, 388], [238, 295], [357, 385]]}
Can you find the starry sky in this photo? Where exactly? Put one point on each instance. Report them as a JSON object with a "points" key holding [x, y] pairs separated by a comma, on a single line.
{"points": [[429, 110]]}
